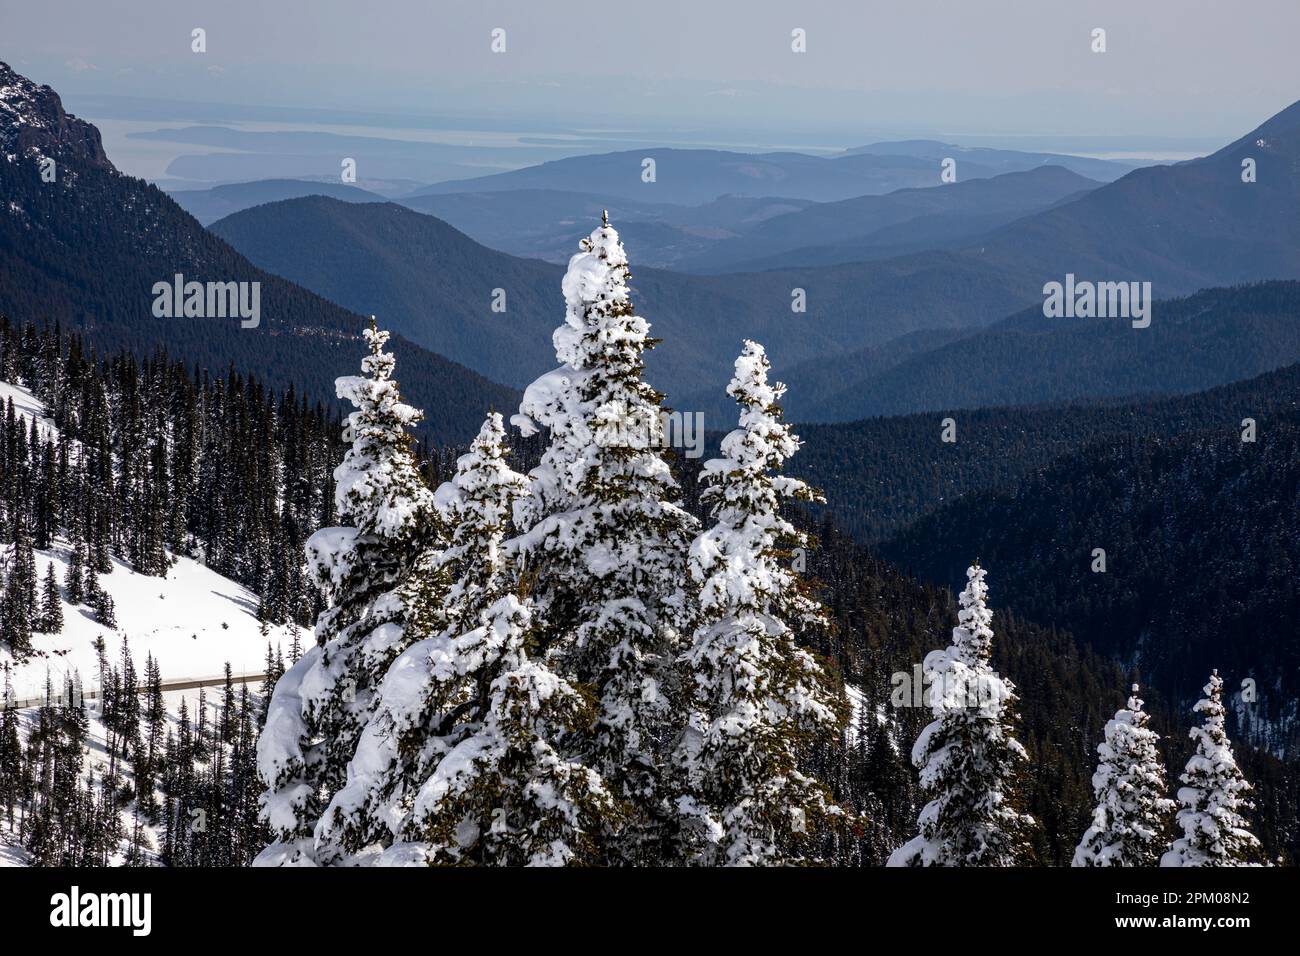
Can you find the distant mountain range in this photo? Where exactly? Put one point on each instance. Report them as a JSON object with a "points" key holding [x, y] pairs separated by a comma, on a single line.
{"points": [[1182, 228], [870, 227], [86, 250], [436, 286], [741, 233], [694, 176], [998, 160], [547, 223]]}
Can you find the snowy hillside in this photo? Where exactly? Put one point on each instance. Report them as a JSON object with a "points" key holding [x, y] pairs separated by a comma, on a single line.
{"points": [[193, 621]]}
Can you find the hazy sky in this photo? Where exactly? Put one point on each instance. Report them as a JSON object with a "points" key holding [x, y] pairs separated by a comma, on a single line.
{"points": [[1211, 68]]}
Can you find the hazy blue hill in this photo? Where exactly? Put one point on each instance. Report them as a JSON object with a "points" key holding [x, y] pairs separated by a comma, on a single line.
{"points": [[436, 285], [854, 229], [1181, 227], [432, 283], [1213, 337], [1000, 160], [694, 176], [209, 205], [547, 223]]}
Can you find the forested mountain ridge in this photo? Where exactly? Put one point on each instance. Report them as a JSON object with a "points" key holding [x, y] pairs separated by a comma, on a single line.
{"points": [[1176, 551], [1204, 340], [888, 472], [86, 249]]}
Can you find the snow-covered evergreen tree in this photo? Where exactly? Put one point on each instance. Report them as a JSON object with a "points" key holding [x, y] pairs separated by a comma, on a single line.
{"points": [[502, 794], [322, 703], [605, 540], [1129, 821], [477, 507], [458, 750], [968, 757], [1214, 795], [758, 699]]}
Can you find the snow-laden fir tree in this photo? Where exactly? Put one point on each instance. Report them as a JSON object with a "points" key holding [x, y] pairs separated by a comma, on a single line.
{"points": [[503, 794], [1130, 819], [321, 704], [758, 700], [1214, 796], [606, 541], [970, 762], [477, 508], [456, 764]]}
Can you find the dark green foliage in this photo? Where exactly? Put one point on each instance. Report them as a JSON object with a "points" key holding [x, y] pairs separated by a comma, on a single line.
{"points": [[1201, 533], [887, 472]]}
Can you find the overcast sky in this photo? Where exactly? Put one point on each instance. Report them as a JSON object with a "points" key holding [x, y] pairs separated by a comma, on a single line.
{"points": [[979, 67]]}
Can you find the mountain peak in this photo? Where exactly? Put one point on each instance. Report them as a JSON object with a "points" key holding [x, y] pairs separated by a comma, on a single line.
{"points": [[1284, 121], [32, 120]]}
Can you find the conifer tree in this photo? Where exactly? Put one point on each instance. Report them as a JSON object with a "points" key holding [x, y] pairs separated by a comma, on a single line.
{"points": [[759, 700], [970, 762], [1129, 821], [606, 540], [501, 793], [74, 579], [16, 606], [105, 609], [11, 751], [51, 604], [460, 747], [322, 703], [1214, 797]]}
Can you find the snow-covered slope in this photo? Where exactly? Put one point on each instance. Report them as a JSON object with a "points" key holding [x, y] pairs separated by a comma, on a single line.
{"points": [[193, 621]]}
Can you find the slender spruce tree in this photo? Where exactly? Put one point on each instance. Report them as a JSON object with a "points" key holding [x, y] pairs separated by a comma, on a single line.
{"points": [[1131, 816], [51, 603], [1214, 796], [605, 541], [759, 700], [323, 702], [968, 756]]}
